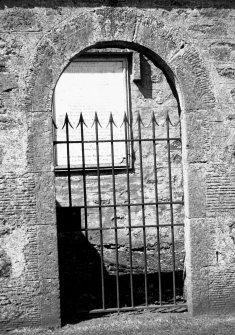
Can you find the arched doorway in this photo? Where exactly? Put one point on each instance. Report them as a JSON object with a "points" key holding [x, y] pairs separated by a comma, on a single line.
{"points": [[118, 183], [183, 68]]}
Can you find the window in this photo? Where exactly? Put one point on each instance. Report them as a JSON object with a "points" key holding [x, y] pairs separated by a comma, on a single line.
{"points": [[89, 85]]}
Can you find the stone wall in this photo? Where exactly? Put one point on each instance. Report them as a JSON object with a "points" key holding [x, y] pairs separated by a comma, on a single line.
{"points": [[193, 43]]}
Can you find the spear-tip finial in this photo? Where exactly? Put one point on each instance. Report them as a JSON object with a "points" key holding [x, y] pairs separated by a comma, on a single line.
{"points": [[153, 119], [81, 121], [66, 121], [96, 120], [168, 118], [54, 124], [111, 120], [139, 120], [125, 119]]}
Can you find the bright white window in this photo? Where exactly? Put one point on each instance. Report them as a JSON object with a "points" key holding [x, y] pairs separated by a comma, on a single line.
{"points": [[89, 85]]}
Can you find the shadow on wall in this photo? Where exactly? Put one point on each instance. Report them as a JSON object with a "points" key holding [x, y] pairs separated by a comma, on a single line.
{"points": [[80, 270], [145, 84], [166, 4]]}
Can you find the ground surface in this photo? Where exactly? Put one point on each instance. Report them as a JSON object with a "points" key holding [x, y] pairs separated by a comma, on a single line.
{"points": [[146, 323]]}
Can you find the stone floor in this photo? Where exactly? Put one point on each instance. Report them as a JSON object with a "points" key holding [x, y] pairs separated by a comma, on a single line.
{"points": [[145, 323]]}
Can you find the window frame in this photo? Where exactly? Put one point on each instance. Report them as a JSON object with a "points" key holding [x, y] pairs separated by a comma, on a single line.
{"points": [[126, 58]]}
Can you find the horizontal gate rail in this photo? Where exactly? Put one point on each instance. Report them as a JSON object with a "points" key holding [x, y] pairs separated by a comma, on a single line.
{"points": [[135, 204], [133, 227], [117, 141], [162, 307]]}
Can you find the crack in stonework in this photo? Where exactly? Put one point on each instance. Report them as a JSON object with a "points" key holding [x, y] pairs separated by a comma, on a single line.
{"points": [[178, 53], [137, 24]]}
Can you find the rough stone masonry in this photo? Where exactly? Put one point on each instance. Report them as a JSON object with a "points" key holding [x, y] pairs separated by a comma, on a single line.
{"points": [[192, 42]]}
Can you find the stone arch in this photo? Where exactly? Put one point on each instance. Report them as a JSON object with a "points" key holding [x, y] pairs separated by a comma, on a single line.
{"points": [[145, 33]]}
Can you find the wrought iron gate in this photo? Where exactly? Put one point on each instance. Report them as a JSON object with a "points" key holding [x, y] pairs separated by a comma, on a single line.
{"points": [[123, 218]]}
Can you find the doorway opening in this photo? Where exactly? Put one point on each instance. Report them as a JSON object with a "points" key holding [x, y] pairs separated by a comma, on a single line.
{"points": [[120, 217]]}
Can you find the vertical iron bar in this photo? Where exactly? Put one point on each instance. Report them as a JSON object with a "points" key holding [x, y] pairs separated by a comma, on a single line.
{"points": [[125, 122], [115, 211], [81, 122], [84, 173], [157, 211], [68, 159], [54, 136], [143, 209], [171, 206], [96, 121]]}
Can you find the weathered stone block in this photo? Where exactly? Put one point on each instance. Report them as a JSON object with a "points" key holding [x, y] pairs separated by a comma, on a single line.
{"points": [[197, 145], [197, 264], [50, 303], [232, 93], [217, 28], [196, 197], [19, 20], [42, 88], [227, 72], [5, 264], [47, 258], [220, 189], [8, 82], [45, 198], [194, 79], [221, 51], [41, 149]]}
